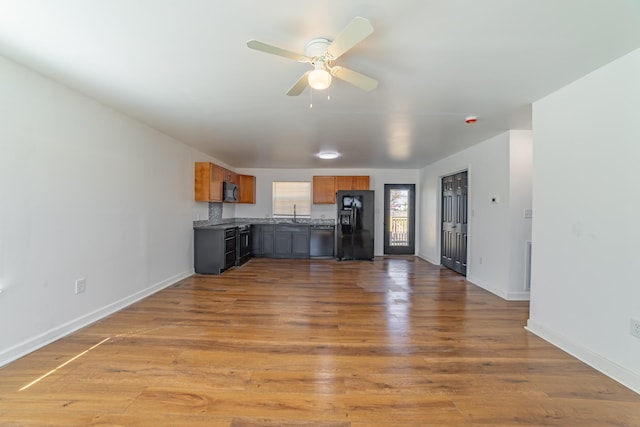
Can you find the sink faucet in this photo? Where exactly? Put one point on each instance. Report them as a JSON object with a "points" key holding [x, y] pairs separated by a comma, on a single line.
{"points": [[294, 212]]}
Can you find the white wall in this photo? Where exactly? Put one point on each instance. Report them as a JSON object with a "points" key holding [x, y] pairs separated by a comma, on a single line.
{"points": [[520, 200], [586, 232], [84, 193], [377, 179], [499, 167]]}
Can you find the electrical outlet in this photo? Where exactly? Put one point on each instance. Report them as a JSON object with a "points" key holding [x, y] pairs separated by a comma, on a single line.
{"points": [[635, 328], [81, 285]]}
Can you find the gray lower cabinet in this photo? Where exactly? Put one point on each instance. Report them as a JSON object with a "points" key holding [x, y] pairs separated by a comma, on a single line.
{"points": [[256, 240], [263, 236], [292, 241], [283, 244], [214, 249], [300, 242], [268, 240], [281, 240]]}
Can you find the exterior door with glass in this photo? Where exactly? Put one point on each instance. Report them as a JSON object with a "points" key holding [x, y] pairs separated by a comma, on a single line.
{"points": [[399, 219]]}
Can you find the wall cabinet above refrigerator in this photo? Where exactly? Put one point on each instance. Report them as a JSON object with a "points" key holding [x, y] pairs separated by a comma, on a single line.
{"points": [[326, 186]]}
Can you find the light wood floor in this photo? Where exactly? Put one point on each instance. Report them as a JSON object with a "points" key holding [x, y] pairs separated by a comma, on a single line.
{"points": [[394, 342]]}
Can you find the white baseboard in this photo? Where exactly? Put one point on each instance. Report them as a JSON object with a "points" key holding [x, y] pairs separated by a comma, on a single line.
{"points": [[426, 258], [508, 296], [39, 341], [519, 296], [612, 370], [487, 287]]}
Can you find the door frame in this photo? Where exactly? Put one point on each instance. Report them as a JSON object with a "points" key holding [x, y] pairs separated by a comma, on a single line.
{"points": [[410, 249]]}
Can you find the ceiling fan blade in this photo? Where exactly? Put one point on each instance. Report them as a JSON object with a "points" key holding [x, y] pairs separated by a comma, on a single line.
{"points": [[360, 80], [258, 45], [299, 86], [357, 30]]}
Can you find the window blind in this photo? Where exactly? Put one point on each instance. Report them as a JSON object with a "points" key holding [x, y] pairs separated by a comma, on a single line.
{"points": [[287, 194]]}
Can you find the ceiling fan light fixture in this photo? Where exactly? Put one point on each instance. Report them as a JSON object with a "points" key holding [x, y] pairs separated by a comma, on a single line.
{"points": [[319, 79], [328, 155], [320, 53]]}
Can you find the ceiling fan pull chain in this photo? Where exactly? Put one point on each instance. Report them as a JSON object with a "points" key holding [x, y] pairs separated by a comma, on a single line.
{"points": [[310, 98]]}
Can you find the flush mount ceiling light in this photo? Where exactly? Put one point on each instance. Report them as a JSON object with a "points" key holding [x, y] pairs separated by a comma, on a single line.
{"points": [[328, 155]]}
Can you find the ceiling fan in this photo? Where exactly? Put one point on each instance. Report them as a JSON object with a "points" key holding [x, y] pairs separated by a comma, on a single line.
{"points": [[321, 53]]}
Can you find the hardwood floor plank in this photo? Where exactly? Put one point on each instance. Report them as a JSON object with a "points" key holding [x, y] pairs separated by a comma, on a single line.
{"points": [[263, 422], [313, 343], [319, 381]]}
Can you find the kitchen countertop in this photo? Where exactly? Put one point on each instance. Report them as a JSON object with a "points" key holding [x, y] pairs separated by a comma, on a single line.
{"points": [[214, 226], [226, 223]]}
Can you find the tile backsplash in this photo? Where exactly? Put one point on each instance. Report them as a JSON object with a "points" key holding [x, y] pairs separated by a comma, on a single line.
{"points": [[215, 211], [215, 215]]}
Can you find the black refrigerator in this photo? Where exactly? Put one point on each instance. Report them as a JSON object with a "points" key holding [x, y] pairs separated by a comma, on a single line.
{"points": [[355, 225]]}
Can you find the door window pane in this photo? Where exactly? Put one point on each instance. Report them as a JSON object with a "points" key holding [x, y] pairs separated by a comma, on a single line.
{"points": [[399, 217]]}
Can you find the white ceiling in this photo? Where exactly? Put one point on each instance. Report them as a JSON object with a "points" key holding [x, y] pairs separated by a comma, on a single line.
{"points": [[182, 67]]}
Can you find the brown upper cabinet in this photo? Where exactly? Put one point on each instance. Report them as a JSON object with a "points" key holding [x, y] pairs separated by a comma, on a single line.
{"points": [[247, 188], [208, 183], [230, 176], [325, 187], [352, 183]]}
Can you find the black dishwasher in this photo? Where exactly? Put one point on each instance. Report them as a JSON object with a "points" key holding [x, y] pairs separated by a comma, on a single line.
{"points": [[322, 241]]}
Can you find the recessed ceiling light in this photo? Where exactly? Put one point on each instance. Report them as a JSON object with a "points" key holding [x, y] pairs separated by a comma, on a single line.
{"points": [[328, 155]]}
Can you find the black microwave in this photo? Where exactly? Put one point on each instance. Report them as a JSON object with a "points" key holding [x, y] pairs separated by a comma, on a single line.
{"points": [[229, 192]]}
